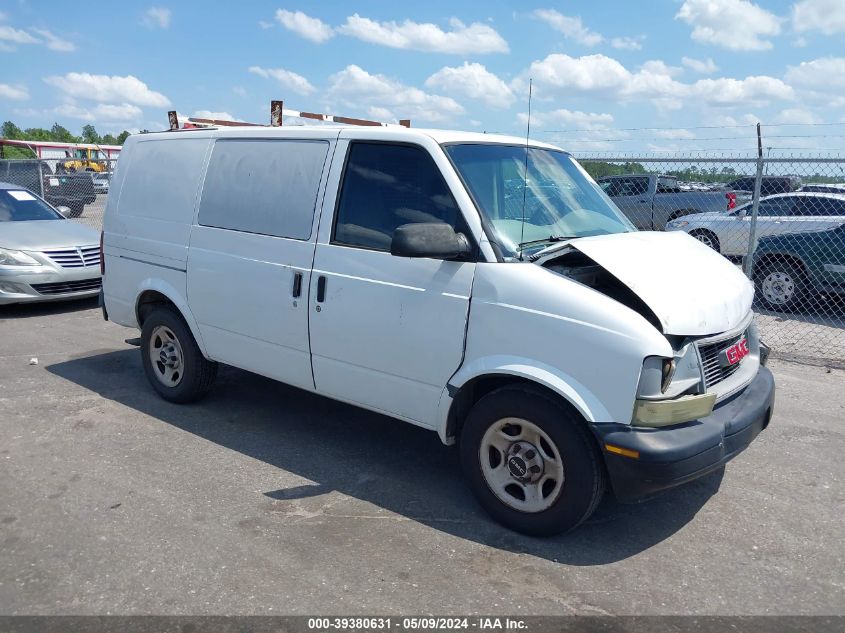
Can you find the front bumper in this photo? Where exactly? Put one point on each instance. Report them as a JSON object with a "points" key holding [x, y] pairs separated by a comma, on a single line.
{"points": [[674, 455], [22, 285]]}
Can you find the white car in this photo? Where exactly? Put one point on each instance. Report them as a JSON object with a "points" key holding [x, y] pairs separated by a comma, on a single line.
{"points": [[797, 212], [416, 274]]}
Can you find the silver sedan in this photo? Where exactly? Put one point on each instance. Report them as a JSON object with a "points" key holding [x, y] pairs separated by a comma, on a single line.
{"points": [[43, 256]]}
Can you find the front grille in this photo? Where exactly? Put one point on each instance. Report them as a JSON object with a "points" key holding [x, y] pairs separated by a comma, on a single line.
{"points": [[63, 287], [75, 257], [714, 372]]}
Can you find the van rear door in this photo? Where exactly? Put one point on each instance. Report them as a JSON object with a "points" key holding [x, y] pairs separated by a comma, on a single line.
{"points": [[252, 246]]}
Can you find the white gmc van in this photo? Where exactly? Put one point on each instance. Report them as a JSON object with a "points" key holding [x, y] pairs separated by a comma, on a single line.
{"points": [[475, 285]]}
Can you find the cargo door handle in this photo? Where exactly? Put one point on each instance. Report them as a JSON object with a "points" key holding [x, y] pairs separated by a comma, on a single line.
{"points": [[321, 289], [297, 285]]}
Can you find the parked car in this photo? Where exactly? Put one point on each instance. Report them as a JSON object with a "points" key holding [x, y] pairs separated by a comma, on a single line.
{"points": [[727, 233], [343, 261], [769, 185], [790, 269], [101, 183], [824, 188], [69, 190], [650, 201], [43, 256]]}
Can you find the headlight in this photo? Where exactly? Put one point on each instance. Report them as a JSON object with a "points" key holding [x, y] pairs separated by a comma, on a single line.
{"points": [[668, 391], [677, 224], [16, 258]]}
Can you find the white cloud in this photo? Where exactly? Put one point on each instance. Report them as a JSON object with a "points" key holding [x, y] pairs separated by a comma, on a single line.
{"points": [[16, 36], [571, 26], [756, 90], [13, 93], [590, 121], [54, 42], [737, 25], [703, 66], [826, 16], [675, 133], [473, 81], [119, 112], [628, 43], [312, 29], [156, 17], [476, 39], [823, 74], [239, 90], [799, 116], [560, 74], [358, 88], [217, 116], [591, 73], [108, 89], [288, 79]]}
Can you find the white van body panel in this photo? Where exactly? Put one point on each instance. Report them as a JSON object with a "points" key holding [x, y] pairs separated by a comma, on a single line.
{"points": [[530, 316], [240, 283], [391, 330], [665, 271], [148, 220]]}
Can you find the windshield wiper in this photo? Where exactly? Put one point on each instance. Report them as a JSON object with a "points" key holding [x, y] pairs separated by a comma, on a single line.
{"points": [[548, 240]]}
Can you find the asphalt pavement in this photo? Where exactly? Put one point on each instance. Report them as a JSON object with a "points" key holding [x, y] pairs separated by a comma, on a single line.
{"points": [[263, 499]]}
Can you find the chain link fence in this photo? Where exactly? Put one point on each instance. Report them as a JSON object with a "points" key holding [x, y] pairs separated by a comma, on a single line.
{"points": [[79, 191], [781, 220]]}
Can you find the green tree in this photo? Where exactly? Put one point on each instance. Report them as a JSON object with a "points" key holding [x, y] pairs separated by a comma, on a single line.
{"points": [[10, 130], [62, 134], [121, 138], [89, 134], [108, 139]]}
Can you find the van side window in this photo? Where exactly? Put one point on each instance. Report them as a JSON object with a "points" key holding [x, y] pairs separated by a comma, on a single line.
{"points": [[263, 186], [386, 186]]}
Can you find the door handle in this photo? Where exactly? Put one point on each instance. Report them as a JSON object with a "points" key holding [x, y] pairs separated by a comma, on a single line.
{"points": [[297, 285], [321, 289], [642, 201]]}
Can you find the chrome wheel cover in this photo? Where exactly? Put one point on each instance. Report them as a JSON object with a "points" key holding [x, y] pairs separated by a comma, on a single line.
{"points": [[778, 287], [166, 356], [521, 465]]}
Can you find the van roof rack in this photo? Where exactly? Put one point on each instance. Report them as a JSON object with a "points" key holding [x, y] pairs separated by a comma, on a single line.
{"points": [[277, 111]]}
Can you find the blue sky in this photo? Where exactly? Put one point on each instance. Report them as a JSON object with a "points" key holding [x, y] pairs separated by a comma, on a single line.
{"points": [[599, 69]]}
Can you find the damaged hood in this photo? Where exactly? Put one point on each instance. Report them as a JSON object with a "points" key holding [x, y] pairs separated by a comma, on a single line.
{"points": [[692, 290]]}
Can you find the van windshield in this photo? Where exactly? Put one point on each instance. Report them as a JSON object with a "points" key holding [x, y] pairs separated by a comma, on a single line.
{"points": [[556, 198]]}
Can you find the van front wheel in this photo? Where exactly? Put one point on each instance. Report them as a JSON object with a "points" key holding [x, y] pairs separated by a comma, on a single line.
{"points": [[172, 361], [531, 462]]}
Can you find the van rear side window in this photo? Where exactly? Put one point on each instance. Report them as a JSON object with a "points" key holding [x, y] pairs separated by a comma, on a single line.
{"points": [[165, 178], [263, 186]]}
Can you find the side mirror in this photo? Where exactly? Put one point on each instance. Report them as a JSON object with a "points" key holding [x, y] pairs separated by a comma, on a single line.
{"points": [[65, 211], [429, 239]]}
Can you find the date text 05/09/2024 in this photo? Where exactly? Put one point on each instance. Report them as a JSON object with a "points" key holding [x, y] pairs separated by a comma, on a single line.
{"points": [[428, 623]]}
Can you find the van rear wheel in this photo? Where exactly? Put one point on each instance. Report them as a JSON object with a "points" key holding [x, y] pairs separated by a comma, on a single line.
{"points": [[172, 360], [531, 462]]}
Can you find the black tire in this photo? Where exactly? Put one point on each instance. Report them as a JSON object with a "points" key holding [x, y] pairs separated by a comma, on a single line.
{"points": [[781, 285], [197, 374], [75, 210], [708, 238], [584, 476]]}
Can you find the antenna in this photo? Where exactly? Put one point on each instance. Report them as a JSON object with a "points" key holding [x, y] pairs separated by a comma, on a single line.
{"points": [[525, 168]]}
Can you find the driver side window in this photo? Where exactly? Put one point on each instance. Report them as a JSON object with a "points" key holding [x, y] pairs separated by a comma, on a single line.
{"points": [[385, 186]]}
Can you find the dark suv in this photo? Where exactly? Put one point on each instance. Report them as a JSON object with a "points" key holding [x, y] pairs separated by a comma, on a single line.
{"points": [[770, 185]]}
